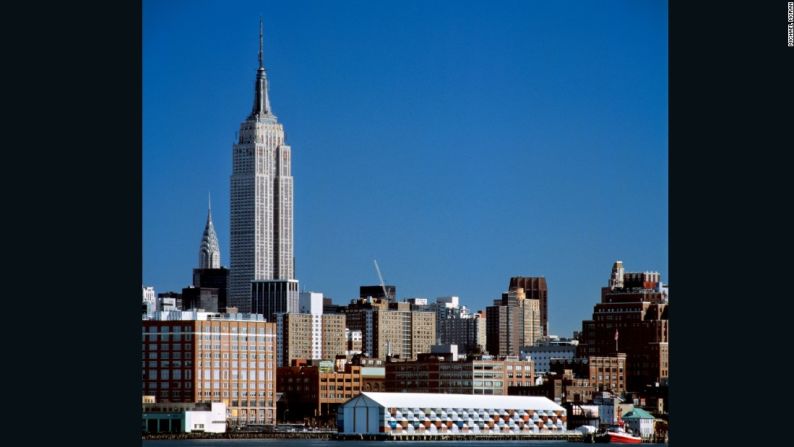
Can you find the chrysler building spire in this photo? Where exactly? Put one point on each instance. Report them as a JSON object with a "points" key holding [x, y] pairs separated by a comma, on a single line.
{"points": [[261, 101], [209, 251]]}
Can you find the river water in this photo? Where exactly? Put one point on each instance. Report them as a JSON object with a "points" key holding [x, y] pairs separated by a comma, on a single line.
{"points": [[326, 443]]}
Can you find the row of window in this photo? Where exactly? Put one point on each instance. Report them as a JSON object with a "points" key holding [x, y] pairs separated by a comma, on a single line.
{"points": [[203, 330]]}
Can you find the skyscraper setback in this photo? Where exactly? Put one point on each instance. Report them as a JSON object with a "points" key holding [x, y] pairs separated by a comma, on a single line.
{"points": [[261, 199]]}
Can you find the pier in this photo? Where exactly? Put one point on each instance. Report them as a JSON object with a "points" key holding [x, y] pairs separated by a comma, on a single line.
{"points": [[567, 436]]}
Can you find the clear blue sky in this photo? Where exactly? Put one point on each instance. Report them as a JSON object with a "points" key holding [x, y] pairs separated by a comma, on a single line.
{"points": [[458, 143]]}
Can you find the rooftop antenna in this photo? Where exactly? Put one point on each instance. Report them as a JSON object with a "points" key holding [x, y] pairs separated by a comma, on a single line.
{"points": [[382, 284]]}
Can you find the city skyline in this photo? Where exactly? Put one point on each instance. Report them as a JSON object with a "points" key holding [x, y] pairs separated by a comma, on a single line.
{"points": [[405, 202]]}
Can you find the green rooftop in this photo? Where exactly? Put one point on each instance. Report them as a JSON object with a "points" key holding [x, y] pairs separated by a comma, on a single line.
{"points": [[638, 413]]}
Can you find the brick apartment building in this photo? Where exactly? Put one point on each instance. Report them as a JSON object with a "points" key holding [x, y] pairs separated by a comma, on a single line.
{"points": [[312, 391], [437, 373], [202, 357]]}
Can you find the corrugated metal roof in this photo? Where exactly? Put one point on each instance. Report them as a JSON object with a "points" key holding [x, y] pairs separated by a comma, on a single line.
{"points": [[434, 400]]}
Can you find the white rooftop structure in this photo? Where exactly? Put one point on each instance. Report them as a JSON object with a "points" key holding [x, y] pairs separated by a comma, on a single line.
{"points": [[431, 400], [448, 301], [190, 315], [310, 303]]}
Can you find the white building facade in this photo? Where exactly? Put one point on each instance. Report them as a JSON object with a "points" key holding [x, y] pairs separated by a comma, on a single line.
{"points": [[149, 299], [543, 352]]}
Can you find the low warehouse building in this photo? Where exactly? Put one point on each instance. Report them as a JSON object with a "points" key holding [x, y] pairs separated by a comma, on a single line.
{"points": [[430, 414], [184, 417]]}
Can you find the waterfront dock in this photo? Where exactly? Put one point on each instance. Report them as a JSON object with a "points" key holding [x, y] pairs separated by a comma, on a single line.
{"points": [[566, 436], [328, 435]]}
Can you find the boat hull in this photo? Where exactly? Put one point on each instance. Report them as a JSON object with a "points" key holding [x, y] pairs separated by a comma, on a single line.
{"points": [[618, 438]]}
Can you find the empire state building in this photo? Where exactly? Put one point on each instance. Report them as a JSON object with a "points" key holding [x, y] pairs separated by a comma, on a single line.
{"points": [[261, 210]]}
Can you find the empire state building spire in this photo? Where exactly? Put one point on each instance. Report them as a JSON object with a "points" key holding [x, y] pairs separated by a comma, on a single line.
{"points": [[261, 107], [209, 251], [261, 203]]}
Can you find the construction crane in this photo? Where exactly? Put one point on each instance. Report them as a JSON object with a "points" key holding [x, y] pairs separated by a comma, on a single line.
{"points": [[382, 284]]}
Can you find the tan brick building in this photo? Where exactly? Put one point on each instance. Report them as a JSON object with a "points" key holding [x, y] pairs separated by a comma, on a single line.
{"points": [[436, 373], [392, 328], [310, 336], [514, 321], [207, 357], [334, 342], [608, 373]]}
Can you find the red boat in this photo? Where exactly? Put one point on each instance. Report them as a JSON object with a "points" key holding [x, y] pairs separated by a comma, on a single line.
{"points": [[616, 435]]}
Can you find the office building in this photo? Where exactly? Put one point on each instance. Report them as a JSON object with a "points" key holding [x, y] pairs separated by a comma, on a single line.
{"points": [[439, 373], [535, 288], [391, 332], [203, 357], [456, 325], [632, 318], [270, 297], [512, 323], [310, 336], [261, 207]]}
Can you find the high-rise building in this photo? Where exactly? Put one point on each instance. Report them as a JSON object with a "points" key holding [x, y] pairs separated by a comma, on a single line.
{"points": [[273, 296], [514, 321], [482, 329], [201, 298], [503, 327], [535, 288], [390, 328], [191, 356], [310, 336], [298, 337], [209, 249], [632, 318], [212, 278], [332, 331], [456, 325], [210, 281], [261, 202]]}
